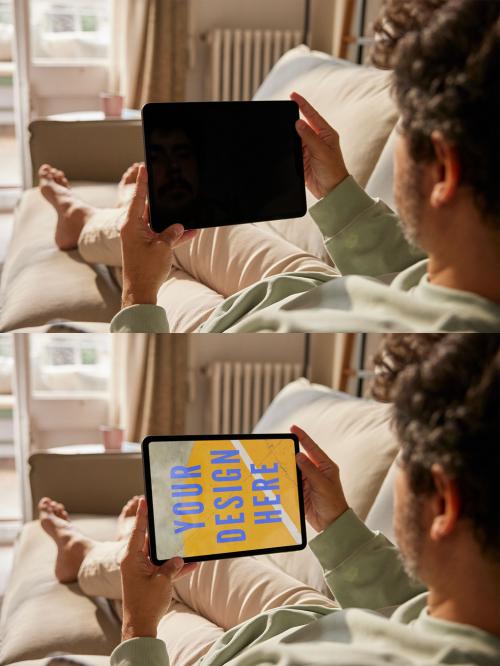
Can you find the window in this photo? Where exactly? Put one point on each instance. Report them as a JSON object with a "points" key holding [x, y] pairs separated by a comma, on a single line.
{"points": [[6, 31], [70, 364], [70, 31], [6, 365], [10, 500]]}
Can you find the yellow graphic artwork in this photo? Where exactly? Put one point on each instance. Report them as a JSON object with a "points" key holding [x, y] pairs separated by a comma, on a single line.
{"points": [[226, 496]]}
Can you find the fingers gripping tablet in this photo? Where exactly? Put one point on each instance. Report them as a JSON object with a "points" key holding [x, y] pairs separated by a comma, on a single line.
{"points": [[223, 496]]}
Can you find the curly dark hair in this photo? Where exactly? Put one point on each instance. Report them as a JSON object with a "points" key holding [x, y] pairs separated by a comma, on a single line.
{"points": [[446, 60], [445, 390]]}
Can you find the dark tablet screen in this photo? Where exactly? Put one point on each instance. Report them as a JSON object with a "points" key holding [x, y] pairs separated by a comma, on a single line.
{"points": [[221, 496], [216, 163]]}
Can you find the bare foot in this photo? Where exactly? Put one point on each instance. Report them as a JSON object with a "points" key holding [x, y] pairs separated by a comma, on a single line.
{"points": [[72, 214], [124, 519], [72, 546], [129, 178]]}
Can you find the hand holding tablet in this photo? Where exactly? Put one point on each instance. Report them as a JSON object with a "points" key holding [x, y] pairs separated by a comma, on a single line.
{"points": [[219, 496]]}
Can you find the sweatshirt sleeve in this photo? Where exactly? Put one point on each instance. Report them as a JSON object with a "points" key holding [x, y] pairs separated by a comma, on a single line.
{"points": [[362, 235], [362, 568], [140, 652], [140, 319]]}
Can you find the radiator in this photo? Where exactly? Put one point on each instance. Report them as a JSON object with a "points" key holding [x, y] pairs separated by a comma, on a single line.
{"points": [[241, 392], [241, 59]]}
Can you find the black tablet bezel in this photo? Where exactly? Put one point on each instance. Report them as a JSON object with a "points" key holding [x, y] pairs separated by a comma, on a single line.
{"points": [[154, 107], [180, 438]]}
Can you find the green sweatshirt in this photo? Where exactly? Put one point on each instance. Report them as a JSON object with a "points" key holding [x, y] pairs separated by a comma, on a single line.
{"points": [[364, 239], [363, 570]]}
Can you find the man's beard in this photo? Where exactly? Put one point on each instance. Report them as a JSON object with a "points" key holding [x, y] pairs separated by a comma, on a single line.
{"points": [[409, 532], [409, 201]]}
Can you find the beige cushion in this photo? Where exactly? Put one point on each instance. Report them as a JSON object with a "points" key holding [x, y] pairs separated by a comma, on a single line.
{"points": [[355, 433], [95, 150], [116, 477], [355, 100], [40, 283], [41, 616]]}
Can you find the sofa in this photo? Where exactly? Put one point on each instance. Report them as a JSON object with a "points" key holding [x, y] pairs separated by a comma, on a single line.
{"points": [[41, 617], [40, 284]]}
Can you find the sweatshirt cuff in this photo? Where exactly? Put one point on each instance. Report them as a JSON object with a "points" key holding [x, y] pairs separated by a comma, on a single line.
{"points": [[140, 319], [340, 540], [140, 652], [340, 207]]}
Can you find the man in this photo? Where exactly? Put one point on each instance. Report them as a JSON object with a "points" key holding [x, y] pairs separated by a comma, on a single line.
{"points": [[445, 55], [445, 391]]}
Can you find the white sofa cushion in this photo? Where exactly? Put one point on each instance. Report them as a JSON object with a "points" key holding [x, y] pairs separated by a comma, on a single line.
{"points": [[40, 616], [353, 432], [380, 516], [355, 100], [381, 182], [39, 283]]}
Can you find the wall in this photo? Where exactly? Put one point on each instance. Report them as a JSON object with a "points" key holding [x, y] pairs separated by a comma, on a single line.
{"points": [[206, 15], [326, 358], [204, 349], [326, 21]]}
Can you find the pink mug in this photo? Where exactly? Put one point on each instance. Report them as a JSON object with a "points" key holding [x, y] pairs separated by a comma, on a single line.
{"points": [[112, 438], [112, 105]]}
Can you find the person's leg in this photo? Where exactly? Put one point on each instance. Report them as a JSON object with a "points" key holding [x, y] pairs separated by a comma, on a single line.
{"points": [[95, 564], [187, 635], [99, 572], [228, 259], [187, 302], [230, 591], [225, 259], [94, 231], [226, 592]]}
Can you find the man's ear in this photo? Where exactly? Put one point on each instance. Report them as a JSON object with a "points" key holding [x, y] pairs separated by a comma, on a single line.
{"points": [[446, 505], [447, 171]]}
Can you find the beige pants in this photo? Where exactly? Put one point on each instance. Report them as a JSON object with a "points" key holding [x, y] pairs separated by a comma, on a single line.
{"points": [[218, 263], [216, 597]]}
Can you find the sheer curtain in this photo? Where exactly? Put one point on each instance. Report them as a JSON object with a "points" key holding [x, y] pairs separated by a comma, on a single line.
{"points": [[150, 50], [149, 385]]}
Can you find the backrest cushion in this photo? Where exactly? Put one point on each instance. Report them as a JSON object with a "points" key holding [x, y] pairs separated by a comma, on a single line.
{"points": [[355, 100], [355, 433]]}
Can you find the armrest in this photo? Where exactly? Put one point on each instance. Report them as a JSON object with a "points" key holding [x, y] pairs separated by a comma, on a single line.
{"points": [[86, 150], [93, 483]]}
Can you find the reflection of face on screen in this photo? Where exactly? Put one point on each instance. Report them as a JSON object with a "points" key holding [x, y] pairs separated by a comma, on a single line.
{"points": [[224, 496], [175, 164], [219, 163]]}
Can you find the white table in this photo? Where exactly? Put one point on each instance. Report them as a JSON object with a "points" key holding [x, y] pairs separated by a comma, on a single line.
{"points": [[127, 447], [127, 114]]}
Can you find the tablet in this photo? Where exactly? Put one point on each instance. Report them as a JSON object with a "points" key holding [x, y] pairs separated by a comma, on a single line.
{"points": [[216, 163], [217, 496]]}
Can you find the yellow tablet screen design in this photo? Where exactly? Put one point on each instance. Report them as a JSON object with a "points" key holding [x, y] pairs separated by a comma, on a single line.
{"points": [[223, 496]]}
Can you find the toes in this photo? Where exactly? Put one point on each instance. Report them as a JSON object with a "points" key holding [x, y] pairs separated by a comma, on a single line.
{"points": [[61, 509], [51, 506], [44, 503], [49, 172], [44, 170]]}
